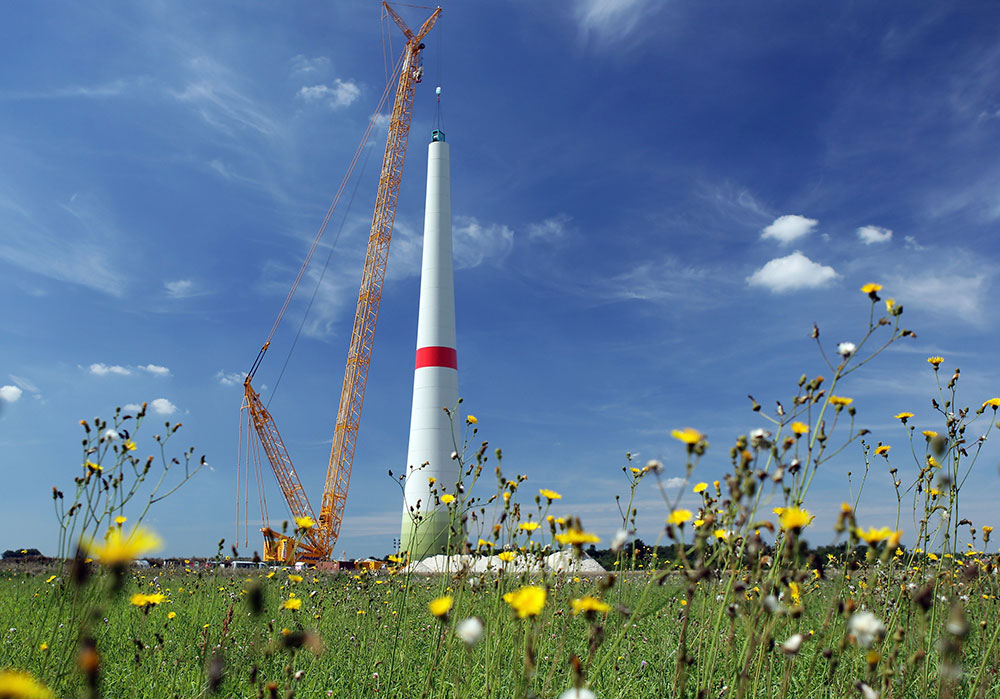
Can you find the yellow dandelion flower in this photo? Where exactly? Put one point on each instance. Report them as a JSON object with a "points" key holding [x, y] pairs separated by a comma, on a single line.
{"points": [[929, 434], [171, 615], [688, 435], [889, 305], [270, 575], [527, 601], [121, 519], [987, 529], [141, 600], [50, 578], [447, 498], [884, 449], [840, 400], [18, 684], [932, 556], [44, 646], [130, 446], [294, 578], [796, 594], [932, 462], [506, 556], [700, 487], [589, 604], [698, 522], [993, 402], [440, 606], [936, 361], [800, 428], [292, 603], [431, 480], [903, 416], [549, 494], [91, 466], [528, 526], [721, 534], [873, 535], [118, 548], [679, 517], [471, 419], [484, 542], [577, 538], [871, 288], [304, 522], [794, 518], [846, 508]]}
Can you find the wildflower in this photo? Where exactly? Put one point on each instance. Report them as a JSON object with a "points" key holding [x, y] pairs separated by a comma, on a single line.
{"points": [[292, 577], [129, 446], [654, 465], [866, 628], [792, 645], [528, 526], [447, 498], [119, 549], [935, 361], [527, 601], [43, 646], [794, 518], [874, 536], [721, 534], [171, 615], [120, 520], [578, 693], [871, 289], [688, 435], [796, 595], [431, 480], [867, 692], [760, 438], [469, 630], [929, 434], [18, 684], [577, 538], [589, 605], [840, 400], [700, 487], [846, 349], [440, 606], [987, 529], [506, 556], [111, 435], [932, 462], [889, 305], [50, 578], [679, 517], [141, 600], [883, 449], [471, 419], [800, 428], [293, 603], [635, 470], [549, 494], [904, 417], [92, 467], [994, 402], [618, 542], [304, 523]]}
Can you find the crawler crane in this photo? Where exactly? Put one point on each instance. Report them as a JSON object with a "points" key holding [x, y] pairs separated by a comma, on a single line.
{"points": [[316, 536]]}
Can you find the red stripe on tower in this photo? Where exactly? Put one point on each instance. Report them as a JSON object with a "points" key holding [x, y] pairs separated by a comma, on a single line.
{"points": [[445, 357]]}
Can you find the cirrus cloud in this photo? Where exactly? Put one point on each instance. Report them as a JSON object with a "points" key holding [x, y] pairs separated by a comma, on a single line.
{"points": [[795, 271]]}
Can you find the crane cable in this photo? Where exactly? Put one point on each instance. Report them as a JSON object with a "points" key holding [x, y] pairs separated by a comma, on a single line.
{"points": [[326, 220]]}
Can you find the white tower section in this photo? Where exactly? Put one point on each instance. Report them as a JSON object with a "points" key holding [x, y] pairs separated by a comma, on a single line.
{"points": [[426, 520]]}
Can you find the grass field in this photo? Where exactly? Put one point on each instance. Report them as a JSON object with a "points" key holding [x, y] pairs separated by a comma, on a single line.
{"points": [[744, 608]]}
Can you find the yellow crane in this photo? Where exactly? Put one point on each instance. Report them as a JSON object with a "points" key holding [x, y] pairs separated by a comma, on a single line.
{"points": [[314, 542]]}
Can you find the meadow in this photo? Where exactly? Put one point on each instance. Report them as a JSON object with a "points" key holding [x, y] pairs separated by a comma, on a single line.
{"points": [[742, 607]]}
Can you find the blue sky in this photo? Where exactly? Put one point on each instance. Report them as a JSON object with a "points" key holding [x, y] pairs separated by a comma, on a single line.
{"points": [[653, 202]]}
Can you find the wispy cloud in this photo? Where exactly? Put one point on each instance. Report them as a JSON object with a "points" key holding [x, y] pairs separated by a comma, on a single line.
{"points": [[214, 94], [343, 93], [230, 378], [100, 369], [957, 293], [551, 229], [183, 289], [114, 88], [612, 21], [795, 271]]}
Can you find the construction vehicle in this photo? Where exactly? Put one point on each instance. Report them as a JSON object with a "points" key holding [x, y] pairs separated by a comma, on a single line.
{"points": [[313, 538]]}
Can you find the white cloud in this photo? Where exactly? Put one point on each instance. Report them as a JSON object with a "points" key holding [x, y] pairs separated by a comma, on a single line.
{"points": [[132, 407], [10, 394], [674, 482], [24, 383], [475, 243], [611, 21], [795, 271], [552, 228], [156, 370], [342, 94], [161, 406], [230, 378], [789, 228], [304, 64], [911, 243], [182, 288], [870, 235], [957, 294], [100, 369]]}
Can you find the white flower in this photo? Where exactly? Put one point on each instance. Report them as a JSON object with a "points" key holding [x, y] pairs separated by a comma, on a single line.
{"points": [[792, 645], [846, 349], [760, 438], [619, 541], [866, 628], [867, 692], [580, 693], [469, 630]]}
